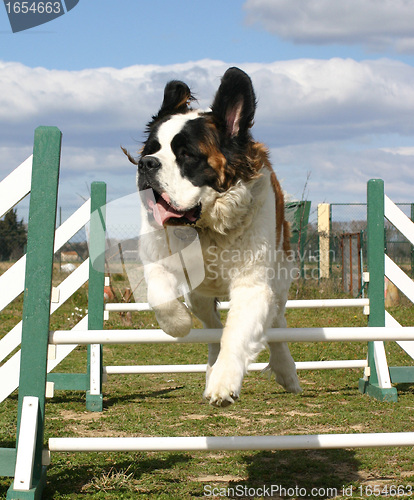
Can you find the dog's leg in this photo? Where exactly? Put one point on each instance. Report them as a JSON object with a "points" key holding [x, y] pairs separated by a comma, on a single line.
{"points": [[281, 362], [171, 313], [243, 338], [206, 311]]}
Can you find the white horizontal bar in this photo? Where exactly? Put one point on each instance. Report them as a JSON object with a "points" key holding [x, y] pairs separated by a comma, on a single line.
{"points": [[185, 443], [331, 365], [317, 303], [300, 365], [141, 369], [349, 334], [290, 304]]}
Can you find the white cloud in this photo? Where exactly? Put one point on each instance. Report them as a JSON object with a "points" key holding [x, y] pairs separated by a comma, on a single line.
{"points": [[339, 171], [311, 113], [375, 24], [299, 101], [403, 151]]}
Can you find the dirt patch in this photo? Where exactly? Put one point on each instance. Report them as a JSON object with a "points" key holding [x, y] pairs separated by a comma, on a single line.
{"points": [[218, 479], [87, 416], [196, 417], [83, 431], [294, 413]]}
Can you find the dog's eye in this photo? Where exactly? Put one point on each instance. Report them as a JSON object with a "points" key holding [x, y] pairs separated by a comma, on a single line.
{"points": [[183, 153], [151, 147]]}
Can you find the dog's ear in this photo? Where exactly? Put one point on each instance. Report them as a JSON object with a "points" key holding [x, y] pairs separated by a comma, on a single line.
{"points": [[235, 104], [177, 99]]}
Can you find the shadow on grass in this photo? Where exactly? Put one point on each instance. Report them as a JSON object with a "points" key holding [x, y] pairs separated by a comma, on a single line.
{"points": [[144, 396], [65, 479], [406, 388], [319, 474], [345, 391], [78, 398]]}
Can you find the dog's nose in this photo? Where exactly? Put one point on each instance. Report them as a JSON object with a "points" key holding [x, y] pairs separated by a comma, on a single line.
{"points": [[148, 163]]}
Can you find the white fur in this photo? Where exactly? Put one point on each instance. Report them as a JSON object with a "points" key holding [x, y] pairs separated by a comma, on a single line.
{"points": [[240, 260], [183, 194]]}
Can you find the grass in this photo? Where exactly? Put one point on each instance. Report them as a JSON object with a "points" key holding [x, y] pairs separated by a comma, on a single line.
{"points": [[172, 405]]}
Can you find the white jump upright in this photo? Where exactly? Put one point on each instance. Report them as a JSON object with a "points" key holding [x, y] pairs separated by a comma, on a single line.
{"points": [[379, 376], [28, 368], [13, 189]]}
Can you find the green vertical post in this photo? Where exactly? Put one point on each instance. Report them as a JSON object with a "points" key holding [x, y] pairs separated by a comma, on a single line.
{"points": [[376, 232], [37, 290], [297, 212], [376, 267], [97, 233]]}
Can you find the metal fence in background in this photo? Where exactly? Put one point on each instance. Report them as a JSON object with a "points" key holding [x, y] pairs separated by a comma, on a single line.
{"points": [[346, 220]]}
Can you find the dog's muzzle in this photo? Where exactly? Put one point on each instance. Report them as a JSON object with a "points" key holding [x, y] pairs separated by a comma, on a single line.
{"points": [[148, 164]]}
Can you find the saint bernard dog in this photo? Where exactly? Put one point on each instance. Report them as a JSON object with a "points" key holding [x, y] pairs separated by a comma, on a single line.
{"points": [[203, 170]]}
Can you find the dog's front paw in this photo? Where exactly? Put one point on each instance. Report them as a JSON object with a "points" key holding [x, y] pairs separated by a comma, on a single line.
{"points": [[223, 384], [174, 318]]}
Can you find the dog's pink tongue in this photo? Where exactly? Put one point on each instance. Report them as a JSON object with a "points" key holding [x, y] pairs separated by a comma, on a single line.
{"points": [[163, 211]]}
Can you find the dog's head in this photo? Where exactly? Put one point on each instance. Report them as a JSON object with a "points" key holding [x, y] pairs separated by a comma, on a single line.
{"points": [[192, 157]]}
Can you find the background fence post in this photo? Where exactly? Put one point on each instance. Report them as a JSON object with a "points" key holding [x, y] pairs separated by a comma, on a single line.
{"points": [[324, 224], [37, 290]]}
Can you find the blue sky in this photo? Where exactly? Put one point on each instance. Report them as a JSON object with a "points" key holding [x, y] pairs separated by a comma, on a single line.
{"points": [[99, 33], [333, 80]]}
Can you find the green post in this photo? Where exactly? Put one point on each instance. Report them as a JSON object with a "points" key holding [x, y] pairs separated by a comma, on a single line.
{"points": [[37, 290], [376, 267], [94, 399], [297, 213]]}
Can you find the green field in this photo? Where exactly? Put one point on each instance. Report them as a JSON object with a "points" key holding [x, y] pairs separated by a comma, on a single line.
{"points": [[172, 405]]}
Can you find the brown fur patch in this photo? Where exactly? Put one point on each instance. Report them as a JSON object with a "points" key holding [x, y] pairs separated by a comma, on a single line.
{"points": [[217, 162], [246, 168], [282, 225], [243, 167], [129, 156]]}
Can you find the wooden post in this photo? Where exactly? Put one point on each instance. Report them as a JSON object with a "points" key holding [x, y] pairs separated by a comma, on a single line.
{"points": [[324, 236]]}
